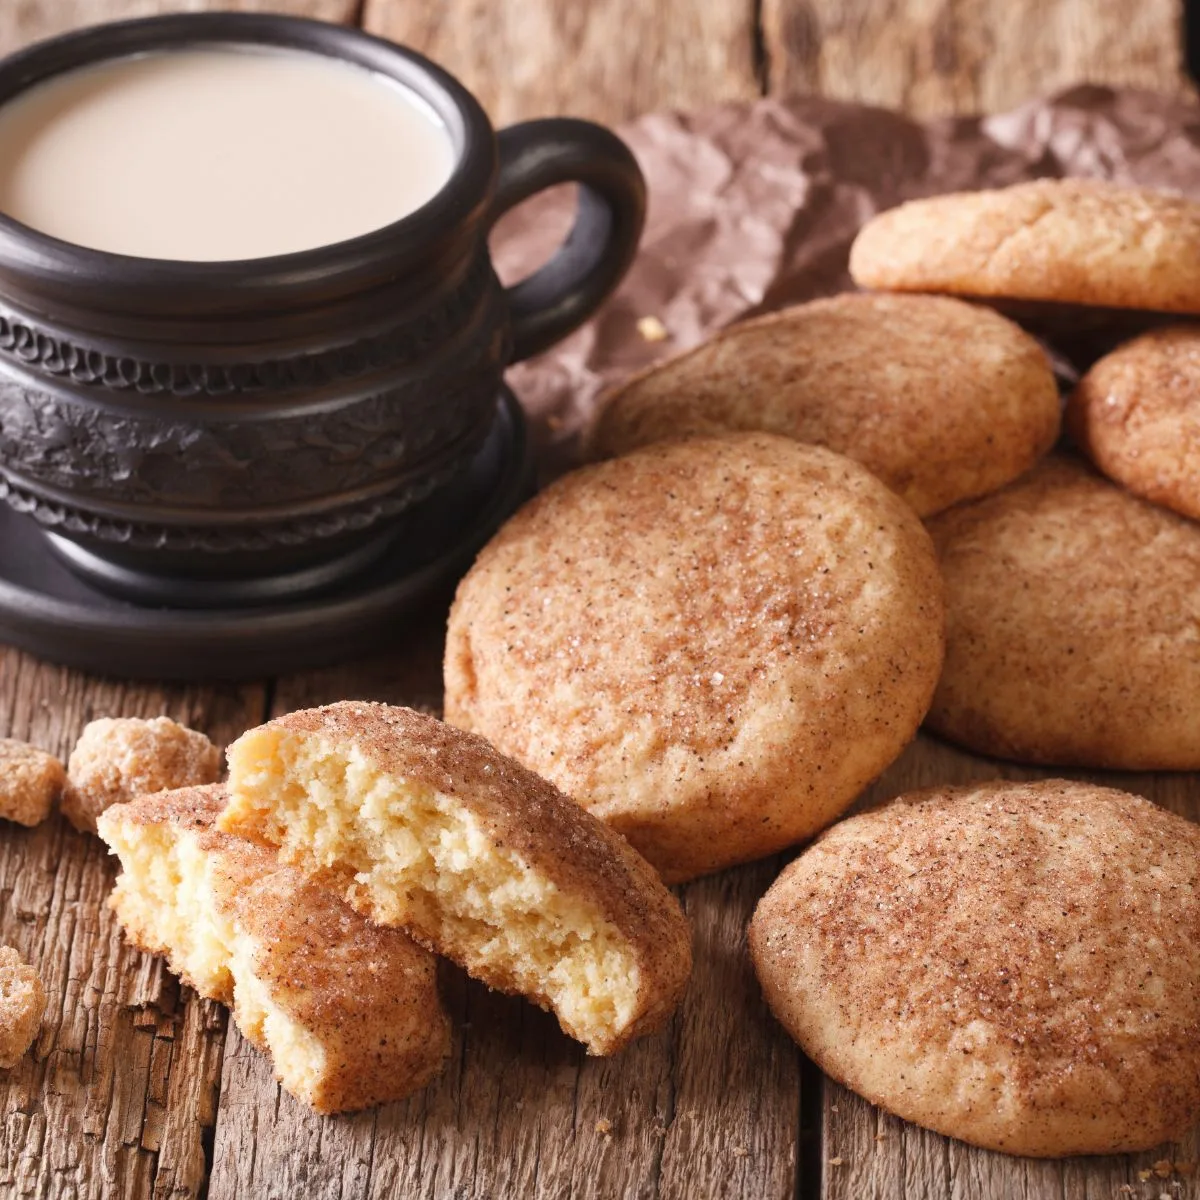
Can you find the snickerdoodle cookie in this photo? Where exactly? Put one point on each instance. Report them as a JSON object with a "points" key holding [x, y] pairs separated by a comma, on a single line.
{"points": [[425, 826], [941, 399], [1013, 964], [1136, 414], [118, 759], [713, 644], [1075, 241], [1072, 611], [348, 1012]]}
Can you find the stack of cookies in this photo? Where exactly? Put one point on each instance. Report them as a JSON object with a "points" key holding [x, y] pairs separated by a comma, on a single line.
{"points": [[825, 526], [1072, 599]]}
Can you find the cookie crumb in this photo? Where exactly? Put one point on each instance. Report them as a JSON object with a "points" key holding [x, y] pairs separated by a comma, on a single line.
{"points": [[740, 1152], [1164, 1168], [836, 1162], [1143, 1176], [118, 759], [30, 782], [604, 1127], [652, 330], [22, 1004]]}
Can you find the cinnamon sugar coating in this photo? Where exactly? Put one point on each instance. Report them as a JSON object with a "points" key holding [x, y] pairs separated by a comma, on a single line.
{"points": [[30, 782], [1071, 617], [1076, 241], [348, 1011], [1136, 415], [940, 399], [1011, 964], [713, 645], [118, 759]]}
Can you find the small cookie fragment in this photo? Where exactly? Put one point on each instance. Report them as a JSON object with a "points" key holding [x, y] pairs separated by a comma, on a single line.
{"points": [[1136, 415], [652, 329], [940, 399], [118, 759], [1072, 610], [713, 645], [430, 828], [1012, 964], [30, 782], [1067, 241], [22, 1003], [348, 1011]]}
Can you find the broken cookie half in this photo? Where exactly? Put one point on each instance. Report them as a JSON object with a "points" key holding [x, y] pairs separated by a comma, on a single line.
{"points": [[432, 829], [348, 1011]]}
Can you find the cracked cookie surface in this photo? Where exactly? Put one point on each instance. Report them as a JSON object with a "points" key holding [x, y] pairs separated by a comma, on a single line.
{"points": [[1012, 964], [713, 645], [1136, 415], [1072, 611], [1071, 241], [940, 399]]}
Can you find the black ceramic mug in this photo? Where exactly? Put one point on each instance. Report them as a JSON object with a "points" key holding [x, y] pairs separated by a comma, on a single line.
{"points": [[186, 429]]}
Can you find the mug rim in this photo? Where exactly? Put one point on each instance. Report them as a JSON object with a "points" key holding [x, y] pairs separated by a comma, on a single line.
{"points": [[81, 276]]}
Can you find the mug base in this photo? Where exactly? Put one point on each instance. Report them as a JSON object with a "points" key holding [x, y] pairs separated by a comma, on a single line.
{"points": [[54, 613], [180, 591]]}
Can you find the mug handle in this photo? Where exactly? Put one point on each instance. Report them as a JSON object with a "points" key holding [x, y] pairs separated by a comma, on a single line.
{"points": [[587, 267]]}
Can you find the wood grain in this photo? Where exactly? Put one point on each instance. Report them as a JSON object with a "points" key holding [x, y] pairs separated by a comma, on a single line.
{"points": [[125, 1061], [24, 21], [607, 61], [935, 57]]}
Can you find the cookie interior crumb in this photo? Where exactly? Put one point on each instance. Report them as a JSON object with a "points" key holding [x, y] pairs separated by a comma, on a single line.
{"points": [[164, 897], [348, 1011], [419, 859]]}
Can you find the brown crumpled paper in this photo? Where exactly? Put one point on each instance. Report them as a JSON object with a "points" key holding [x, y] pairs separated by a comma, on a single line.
{"points": [[754, 206]]}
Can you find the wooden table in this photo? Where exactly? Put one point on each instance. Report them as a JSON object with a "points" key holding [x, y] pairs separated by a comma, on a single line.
{"points": [[136, 1088]]}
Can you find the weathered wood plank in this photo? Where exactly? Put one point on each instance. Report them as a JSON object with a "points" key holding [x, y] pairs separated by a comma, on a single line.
{"points": [[709, 1107], [933, 57], [24, 21], [607, 61], [736, 1115], [866, 1152], [123, 1061]]}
